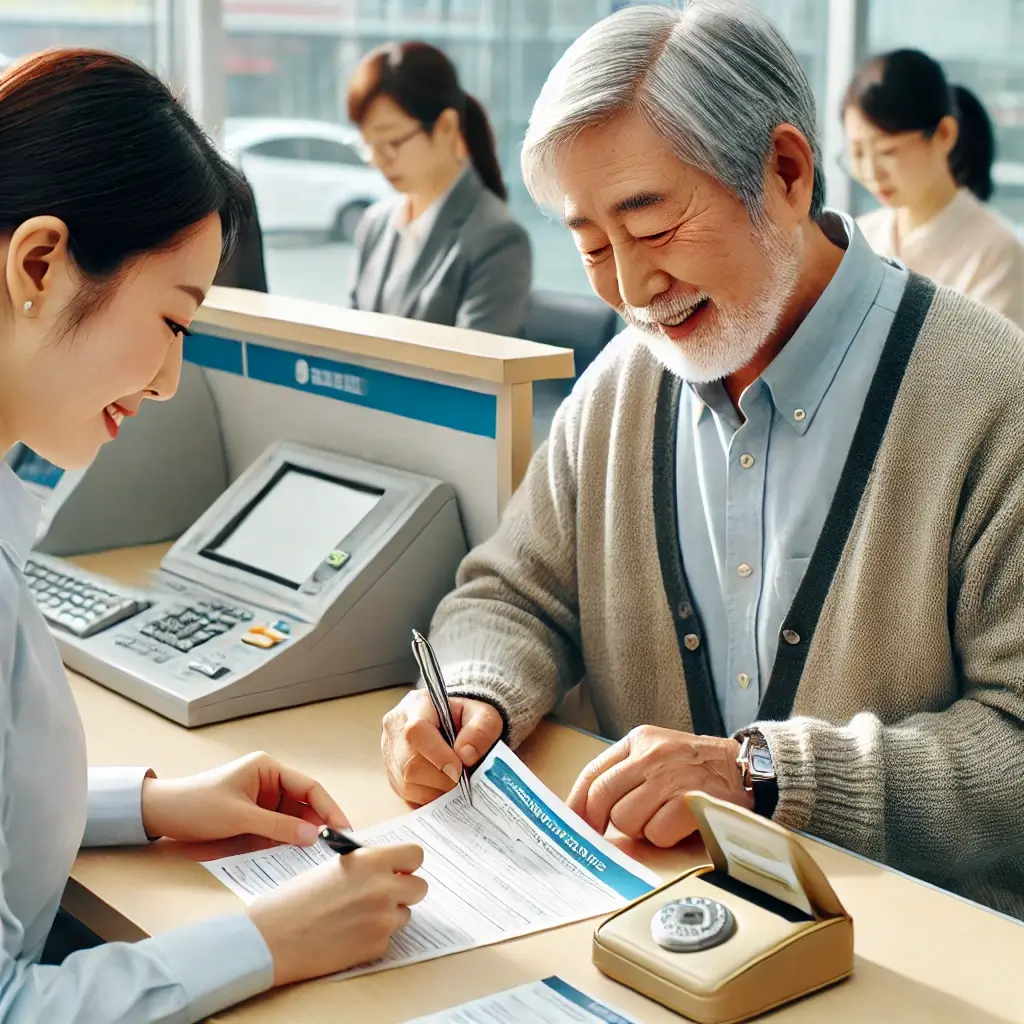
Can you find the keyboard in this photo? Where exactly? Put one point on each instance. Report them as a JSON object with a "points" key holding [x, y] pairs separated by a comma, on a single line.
{"points": [[76, 603], [192, 625]]}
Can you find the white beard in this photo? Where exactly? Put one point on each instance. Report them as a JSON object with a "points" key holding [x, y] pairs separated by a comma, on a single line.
{"points": [[737, 334]]}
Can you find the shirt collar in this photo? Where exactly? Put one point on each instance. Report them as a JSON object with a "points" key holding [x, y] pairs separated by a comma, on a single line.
{"points": [[420, 227], [800, 375], [19, 516]]}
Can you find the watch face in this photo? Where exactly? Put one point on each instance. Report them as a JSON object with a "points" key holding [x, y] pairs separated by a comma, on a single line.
{"points": [[761, 761]]}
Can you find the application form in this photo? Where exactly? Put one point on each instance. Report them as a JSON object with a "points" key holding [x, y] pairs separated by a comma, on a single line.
{"points": [[518, 861], [551, 1001]]}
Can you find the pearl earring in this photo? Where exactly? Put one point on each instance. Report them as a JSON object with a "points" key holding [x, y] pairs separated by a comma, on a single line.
{"points": [[28, 306]]}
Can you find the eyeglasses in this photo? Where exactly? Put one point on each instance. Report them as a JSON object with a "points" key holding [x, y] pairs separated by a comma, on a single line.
{"points": [[388, 149]]}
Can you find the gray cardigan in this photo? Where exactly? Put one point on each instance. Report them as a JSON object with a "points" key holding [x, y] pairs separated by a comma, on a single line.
{"points": [[895, 707], [473, 271]]}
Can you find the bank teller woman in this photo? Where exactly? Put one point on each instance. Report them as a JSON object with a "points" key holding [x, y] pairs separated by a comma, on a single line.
{"points": [[445, 248], [925, 151], [115, 211]]}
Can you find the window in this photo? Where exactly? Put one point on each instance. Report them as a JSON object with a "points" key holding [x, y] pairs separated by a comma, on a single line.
{"points": [[292, 58], [328, 152], [281, 149], [981, 51], [125, 26]]}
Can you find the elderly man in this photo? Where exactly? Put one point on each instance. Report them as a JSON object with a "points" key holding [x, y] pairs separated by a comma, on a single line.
{"points": [[778, 527]]}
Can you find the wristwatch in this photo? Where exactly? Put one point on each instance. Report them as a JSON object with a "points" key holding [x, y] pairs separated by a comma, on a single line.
{"points": [[758, 772]]}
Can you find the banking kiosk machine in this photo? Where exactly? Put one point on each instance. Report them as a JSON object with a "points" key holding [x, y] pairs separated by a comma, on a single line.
{"points": [[300, 582]]}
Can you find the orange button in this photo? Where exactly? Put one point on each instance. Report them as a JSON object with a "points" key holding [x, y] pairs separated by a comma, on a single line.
{"points": [[274, 634], [258, 639]]}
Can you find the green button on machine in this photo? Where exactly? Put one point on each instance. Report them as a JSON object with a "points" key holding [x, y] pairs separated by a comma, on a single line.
{"points": [[336, 559]]}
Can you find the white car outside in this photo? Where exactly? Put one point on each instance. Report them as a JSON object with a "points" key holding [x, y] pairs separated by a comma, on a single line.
{"points": [[306, 175]]}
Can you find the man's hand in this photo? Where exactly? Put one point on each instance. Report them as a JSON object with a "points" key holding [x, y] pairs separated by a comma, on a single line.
{"points": [[420, 765], [638, 784]]}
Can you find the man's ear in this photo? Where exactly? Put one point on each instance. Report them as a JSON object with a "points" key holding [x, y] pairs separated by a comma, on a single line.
{"points": [[37, 264], [791, 169]]}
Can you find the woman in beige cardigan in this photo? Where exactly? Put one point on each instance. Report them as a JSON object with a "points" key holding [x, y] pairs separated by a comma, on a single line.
{"points": [[925, 151]]}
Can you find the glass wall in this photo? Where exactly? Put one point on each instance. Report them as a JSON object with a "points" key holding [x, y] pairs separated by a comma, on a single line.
{"points": [[290, 59], [980, 46], [127, 26]]}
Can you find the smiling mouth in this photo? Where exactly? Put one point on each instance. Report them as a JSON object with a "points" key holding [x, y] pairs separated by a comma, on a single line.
{"points": [[116, 414], [684, 315]]}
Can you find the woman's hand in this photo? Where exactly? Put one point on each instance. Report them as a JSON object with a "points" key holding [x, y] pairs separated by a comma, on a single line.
{"points": [[254, 795], [339, 914]]}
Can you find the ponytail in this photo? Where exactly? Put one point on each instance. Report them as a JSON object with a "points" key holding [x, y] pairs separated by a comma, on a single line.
{"points": [[476, 130], [975, 151]]}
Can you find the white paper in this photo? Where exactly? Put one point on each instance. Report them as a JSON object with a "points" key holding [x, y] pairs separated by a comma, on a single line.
{"points": [[519, 861], [759, 858], [551, 1001]]}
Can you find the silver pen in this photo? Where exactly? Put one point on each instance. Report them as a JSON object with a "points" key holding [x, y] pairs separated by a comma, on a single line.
{"points": [[438, 692]]}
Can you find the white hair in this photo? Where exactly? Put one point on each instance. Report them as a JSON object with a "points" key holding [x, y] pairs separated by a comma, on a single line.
{"points": [[715, 79]]}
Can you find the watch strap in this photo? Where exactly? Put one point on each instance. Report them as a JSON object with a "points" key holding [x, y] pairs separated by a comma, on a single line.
{"points": [[766, 797]]}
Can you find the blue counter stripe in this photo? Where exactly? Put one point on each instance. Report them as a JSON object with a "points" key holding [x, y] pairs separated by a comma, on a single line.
{"points": [[584, 1002], [213, 353], [571, 842], [443, 405]]}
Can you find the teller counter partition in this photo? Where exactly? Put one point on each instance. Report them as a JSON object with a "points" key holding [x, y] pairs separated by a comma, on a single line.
{"points": [[440, 401]]}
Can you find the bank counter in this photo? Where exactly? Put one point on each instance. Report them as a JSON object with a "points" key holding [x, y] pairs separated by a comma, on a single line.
{"points": [[321, 473], [397, 429]]}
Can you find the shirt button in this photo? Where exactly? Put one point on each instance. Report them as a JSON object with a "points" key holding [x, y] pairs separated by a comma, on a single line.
{"points": [[791, 636], [799, 415], [692, 641], [744, 570], [746, 461], [743, 679]]}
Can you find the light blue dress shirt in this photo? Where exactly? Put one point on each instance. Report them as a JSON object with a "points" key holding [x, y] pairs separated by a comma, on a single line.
{"points": [[754, 487], [50, 805]]}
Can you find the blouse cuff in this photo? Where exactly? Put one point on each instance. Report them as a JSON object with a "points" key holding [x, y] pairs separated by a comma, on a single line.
{"points": [[218, 963], [115, 807]]}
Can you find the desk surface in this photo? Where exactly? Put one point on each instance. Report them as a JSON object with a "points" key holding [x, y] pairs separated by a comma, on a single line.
{"points": [[921, 955]]}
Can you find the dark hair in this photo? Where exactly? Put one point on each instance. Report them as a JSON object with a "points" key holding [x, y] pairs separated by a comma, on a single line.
{"points": [[975, 151], [423, 82], [98, 141], [907, 91]]}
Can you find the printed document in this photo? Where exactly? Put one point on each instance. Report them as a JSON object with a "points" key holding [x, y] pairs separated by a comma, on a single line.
{"points": [[551, 1001], [518, 861]]}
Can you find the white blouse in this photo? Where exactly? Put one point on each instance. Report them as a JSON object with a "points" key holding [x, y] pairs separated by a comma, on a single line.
{"points": [[49, 806], [967, 247]]}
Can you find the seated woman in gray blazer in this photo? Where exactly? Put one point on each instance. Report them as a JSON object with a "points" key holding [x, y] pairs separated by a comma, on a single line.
{"points": [[445, 249]]}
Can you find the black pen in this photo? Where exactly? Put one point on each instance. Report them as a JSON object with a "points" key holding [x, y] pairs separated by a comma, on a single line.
{"points": [[339, 842]]}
